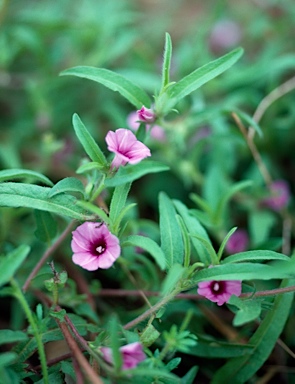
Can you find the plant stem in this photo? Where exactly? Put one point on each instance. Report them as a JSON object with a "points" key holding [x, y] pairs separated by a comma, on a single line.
{"points": [[23, 302], [47, 253]]}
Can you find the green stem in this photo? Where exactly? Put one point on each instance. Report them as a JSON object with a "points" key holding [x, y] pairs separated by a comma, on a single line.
{"points": [[23, 302]]}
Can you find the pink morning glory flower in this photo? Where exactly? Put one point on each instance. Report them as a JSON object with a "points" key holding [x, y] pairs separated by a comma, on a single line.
{"points": [[219, 291], [132, 354], [146, 115], [238, 242], [156, 131], [126, 147], [94, 246], [280, 195]]}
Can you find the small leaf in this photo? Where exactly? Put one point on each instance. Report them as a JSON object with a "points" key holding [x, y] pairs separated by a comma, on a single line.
{"points": [[249, 310], [7, 358], [171, 280], [9, 336], [112, 80], [149, 335], [10, 263], [114, 341], [69, 184], [171, 237], [90, 166], [255, 255], [46, 226], [166, 61], [130, 172], [10, 174], [247, 119], [201, 76], [224, 242], [148, 245], [118, 201], [89, 144]]}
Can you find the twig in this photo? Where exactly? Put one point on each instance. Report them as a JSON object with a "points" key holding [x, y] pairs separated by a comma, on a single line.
{"points": [[274, 95], [47, 253]]}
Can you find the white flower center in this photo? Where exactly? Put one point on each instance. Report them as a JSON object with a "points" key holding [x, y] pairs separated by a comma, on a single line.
{"points": [[100, 249], [216, 287]]}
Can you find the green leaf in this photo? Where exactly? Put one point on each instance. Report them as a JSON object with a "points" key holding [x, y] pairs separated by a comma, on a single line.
{"points": [[46, 226], [87, 167], [148, 245], [186, 241], [211, 348], [149, 335], [99, 212], [114, 341], [69, 184], [224, 241], [7, 358], [36, 197], [247, 119], [166, 61], [201, 76], [171, 236], [240, 369], [130, 172], [88, 142], [209, 248], [10, 174], [194, 228], [249, 310], [10, 263], [9, 336], [189, 377], [248, 271], [255, 255], [171, 280], [118, 201], [112, 80]]}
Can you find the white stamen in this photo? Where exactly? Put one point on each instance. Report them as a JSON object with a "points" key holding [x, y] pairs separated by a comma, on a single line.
{"points": [[100, 249], [216, 287]]}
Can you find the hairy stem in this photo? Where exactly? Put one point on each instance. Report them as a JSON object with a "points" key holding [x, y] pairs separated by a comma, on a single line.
{"points": [[23, 302]]}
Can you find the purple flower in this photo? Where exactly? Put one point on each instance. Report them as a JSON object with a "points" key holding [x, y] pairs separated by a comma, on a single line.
{"points": [[238, 242], [280, 195], [126, 147], [156, 131], [146, 115], [225, 34], [94, 246], [219, 291], [132, 354]]}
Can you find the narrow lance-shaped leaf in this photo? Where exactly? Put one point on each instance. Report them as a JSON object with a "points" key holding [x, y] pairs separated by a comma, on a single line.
{"points": [[241, 369], [36, 197], [11, 174], [129, 173], [255, 255], [10, 263], [171, 236], [166, 61], [69, 184], [118, 201], [88, 142], [201, 76], [114, 81]]}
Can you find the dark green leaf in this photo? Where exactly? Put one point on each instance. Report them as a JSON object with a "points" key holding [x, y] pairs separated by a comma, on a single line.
{"points": [[118, 83], [10, 263], [46, 226], [118, 201], [255, 255], [9, 336]]}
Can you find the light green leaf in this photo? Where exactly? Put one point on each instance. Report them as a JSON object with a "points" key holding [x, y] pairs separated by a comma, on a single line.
{"points": [[9, 336], [129, 173], [255, 255], [166, 61], [248, 271], [7, 358], [148, 245], [88, 142], [11, 174], [186, 241], [112, 80], [118, 201], [224, 242], [247, 119], [194, 228], [114, 332], [90, 166], [171, 280], [36, 197], [46, 226], [249, 310], [10, 263], [240, 369], [69, 184], [171, 236], [201, 76]]}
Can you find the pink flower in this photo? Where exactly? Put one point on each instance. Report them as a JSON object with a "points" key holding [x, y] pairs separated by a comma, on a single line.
{"points": [[219, 291], [238, 242], [94, 246], [280, 195], [132, 354], [126, 147], [146, 115], [225, 34], [156, 131]]}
